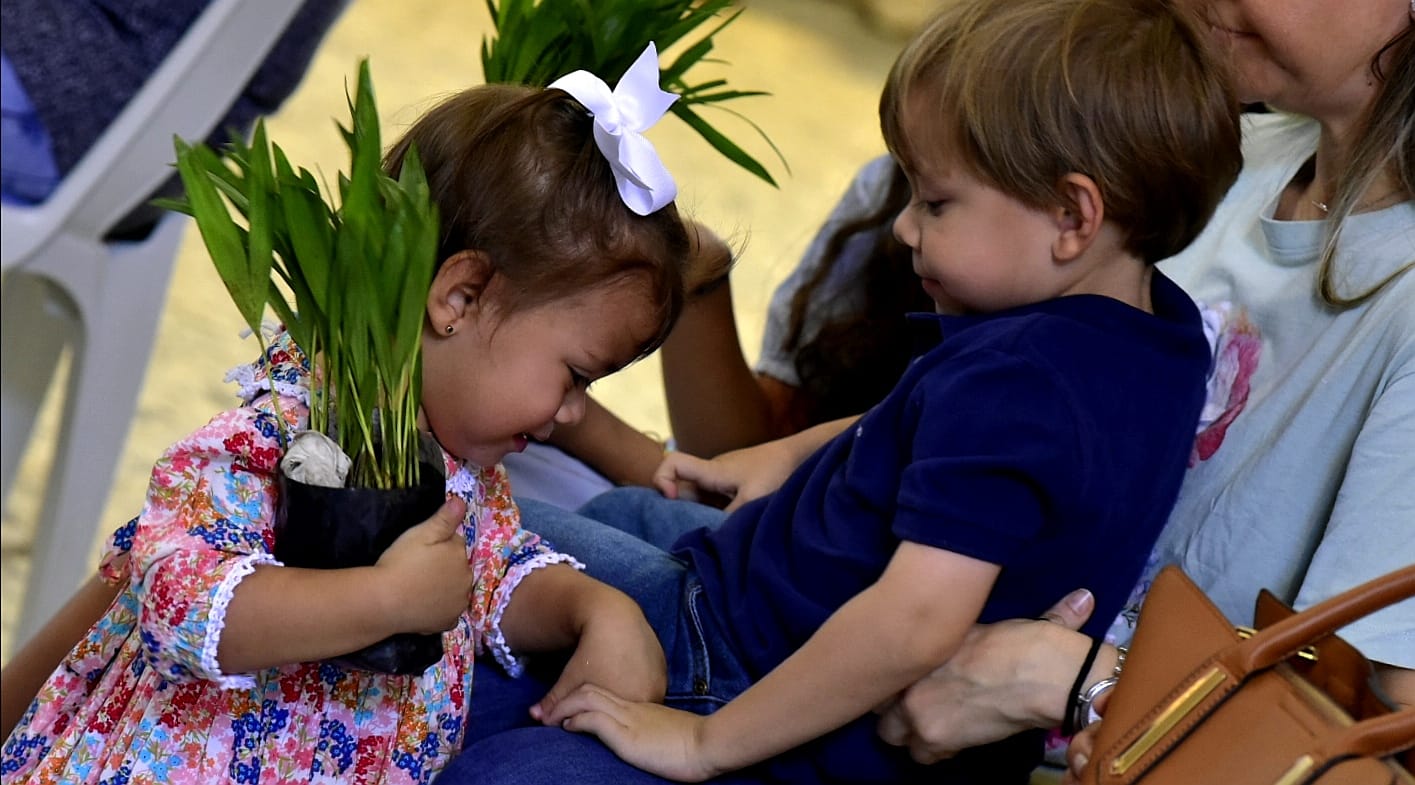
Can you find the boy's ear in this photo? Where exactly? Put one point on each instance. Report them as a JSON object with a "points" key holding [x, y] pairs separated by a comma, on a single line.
{"points": [[1078, 218], [457, 290]]}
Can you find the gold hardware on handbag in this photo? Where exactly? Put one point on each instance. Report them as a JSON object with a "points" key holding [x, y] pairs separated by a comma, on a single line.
{"points": [[1289, 703]]}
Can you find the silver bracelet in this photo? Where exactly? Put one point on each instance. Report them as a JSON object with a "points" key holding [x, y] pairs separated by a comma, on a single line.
{"points": [[1086, 706]]}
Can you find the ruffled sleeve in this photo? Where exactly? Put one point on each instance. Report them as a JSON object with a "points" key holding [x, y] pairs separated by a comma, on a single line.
{"points": [[502, 554], [207, 522]]}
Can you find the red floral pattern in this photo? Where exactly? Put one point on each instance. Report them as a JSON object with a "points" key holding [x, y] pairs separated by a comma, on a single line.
{"points": [[140, 699]]}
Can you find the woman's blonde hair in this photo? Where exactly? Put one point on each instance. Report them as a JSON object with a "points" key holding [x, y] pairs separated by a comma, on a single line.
{"points": [[1028, 91], [1385, 143]]}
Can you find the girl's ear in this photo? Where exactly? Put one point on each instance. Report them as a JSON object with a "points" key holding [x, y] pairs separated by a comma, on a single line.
{"points": [[1079, 218], [457, 290]]}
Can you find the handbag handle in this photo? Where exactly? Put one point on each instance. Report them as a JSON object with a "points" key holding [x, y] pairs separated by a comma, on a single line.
{"points": [[1376, 737], [1276, 643], [1210, 684]]}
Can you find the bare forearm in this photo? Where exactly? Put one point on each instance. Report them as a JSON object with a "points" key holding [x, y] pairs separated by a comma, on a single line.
{"points": [[551, 606], [877, 644], [846, 669], [613, 447], [282, 615], [714, 401], [28, 669]]}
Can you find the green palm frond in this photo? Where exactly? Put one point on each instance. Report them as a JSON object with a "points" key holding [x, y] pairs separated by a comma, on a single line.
{"points": [[538, 41], [357, 270]]}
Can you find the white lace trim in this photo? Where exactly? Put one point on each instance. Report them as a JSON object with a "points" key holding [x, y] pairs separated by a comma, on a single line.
{"points": [[251, 387], [216, 621], [467, 485], [514, 665]]}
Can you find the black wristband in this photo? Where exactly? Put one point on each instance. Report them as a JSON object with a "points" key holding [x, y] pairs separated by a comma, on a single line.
{"points": [[1069, 723]]}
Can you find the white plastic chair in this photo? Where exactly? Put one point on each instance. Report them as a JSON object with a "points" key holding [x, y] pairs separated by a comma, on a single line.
{"points": [[63, 285]]}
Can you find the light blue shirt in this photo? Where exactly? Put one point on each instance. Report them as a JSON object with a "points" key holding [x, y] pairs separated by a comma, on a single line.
{"points": [[1312, 489]]}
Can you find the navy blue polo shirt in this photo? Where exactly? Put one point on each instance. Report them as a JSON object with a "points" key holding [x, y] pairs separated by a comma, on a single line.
{"points": [[1048, 439]]}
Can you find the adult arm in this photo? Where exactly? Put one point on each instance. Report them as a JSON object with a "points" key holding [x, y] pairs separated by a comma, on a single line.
{"points": [[28, 668], [716, 402], [614, 448], [878, 643], [1006, 678]]}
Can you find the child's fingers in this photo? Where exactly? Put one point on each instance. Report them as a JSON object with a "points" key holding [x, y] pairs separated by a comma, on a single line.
{"points": [[595, 723], [446, 523], [585, 698], [667, 486], [669, 472]]}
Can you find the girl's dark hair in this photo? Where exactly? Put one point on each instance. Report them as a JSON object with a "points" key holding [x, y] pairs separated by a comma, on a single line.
{"points": [[515, 174], [853, 360]]}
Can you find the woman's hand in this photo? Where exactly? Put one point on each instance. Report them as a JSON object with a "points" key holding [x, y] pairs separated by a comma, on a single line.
{"points": [[1083, 744], [664, 741], [617, 649], [425, 572], [1007, 677]]}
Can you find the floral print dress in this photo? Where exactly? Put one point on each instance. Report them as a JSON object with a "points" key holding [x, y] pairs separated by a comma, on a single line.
{"points": [[142, 698]]}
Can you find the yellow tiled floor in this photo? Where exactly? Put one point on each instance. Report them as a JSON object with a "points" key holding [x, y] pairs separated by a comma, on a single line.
{"points": [[821, 61]]}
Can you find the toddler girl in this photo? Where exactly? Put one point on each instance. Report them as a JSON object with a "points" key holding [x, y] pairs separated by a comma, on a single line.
{"points": [[558, 266]]}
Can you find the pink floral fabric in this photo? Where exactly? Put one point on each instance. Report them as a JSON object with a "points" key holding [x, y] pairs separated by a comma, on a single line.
{"points": [[142, 698], [1237, 347]]}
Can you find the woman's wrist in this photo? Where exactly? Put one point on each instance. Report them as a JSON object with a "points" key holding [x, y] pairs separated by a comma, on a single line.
{"points": [[1052, 664], [1085, 701]]}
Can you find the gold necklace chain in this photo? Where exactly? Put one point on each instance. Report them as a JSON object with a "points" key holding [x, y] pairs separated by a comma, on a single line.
{"points": [[1369, 204]]}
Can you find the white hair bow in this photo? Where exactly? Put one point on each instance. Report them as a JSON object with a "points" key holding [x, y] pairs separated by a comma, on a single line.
{"points": [[620, 118]]}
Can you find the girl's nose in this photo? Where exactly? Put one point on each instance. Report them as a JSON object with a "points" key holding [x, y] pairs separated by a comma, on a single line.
{"points": [[572, 409]]}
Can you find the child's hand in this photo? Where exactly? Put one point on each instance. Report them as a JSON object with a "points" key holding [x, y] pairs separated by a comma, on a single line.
{"points": [[617, 649], [739, 475], [426, 575], [664, 741]]}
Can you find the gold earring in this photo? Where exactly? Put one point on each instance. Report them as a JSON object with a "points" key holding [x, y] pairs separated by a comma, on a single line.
{"points": [[449, 329]]}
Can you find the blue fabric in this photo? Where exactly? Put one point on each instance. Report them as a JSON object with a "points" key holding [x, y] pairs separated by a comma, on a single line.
{"points": [[1049, 439], [83, 60], [28, 174], [504, 745], [549, 756]]}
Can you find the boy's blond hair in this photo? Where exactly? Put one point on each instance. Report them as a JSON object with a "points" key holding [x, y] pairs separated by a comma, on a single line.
{"points": [[1027, 91]]}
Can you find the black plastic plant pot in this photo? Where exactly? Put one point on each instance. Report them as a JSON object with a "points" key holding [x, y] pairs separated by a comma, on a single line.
{"points": [[330, 528]]}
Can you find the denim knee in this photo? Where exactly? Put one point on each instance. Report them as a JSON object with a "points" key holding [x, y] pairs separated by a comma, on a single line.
{"points": [[650, 516]]}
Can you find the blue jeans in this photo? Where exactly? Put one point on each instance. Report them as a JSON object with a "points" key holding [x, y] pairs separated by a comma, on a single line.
{"points": [[629, 550], [623, 542]]}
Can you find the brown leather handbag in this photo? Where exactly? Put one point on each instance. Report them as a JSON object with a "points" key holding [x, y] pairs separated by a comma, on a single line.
{"points": [[1288, 704]]}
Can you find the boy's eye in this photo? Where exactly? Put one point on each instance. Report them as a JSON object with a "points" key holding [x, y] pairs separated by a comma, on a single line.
{"points": [[579, 380], [934, 206]]}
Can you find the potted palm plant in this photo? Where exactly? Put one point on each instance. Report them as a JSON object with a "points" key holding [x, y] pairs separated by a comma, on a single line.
{"points": [[347, 280]]}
